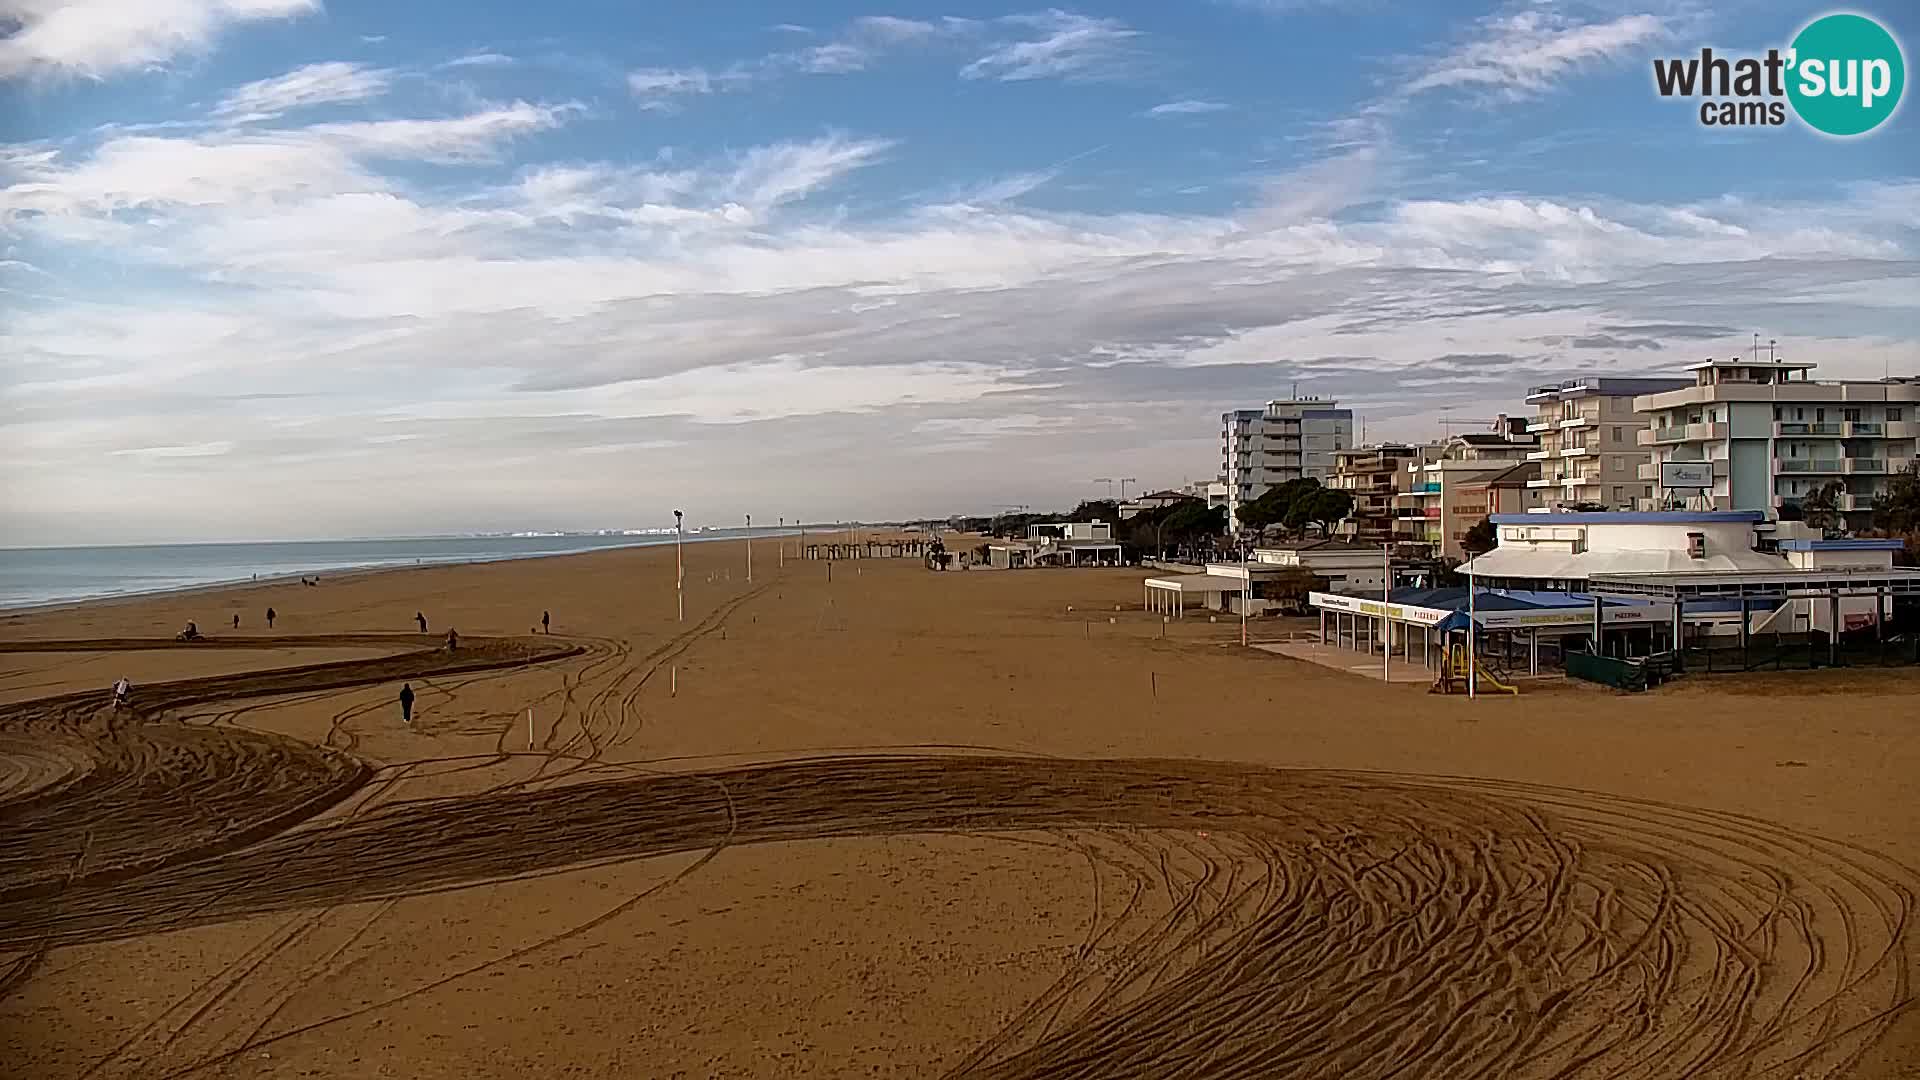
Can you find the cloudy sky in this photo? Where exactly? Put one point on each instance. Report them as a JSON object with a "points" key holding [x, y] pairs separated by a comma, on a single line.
{"points": [[279, 268]]}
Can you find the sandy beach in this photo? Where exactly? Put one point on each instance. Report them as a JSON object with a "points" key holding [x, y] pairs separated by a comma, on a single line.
{"points": [[904, 823]]}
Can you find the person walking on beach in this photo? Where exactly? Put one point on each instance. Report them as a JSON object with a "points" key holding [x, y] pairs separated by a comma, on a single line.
{"points": [[270, 614], [546, 622], [421, 618], [406, 703], [236, 620], [121, 688], [453, 640]]}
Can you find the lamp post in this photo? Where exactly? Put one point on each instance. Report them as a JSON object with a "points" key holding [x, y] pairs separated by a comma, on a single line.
{"points": [[1386, 624], [679, 567], [749, 549], [1473, 633], [1246, 590], [783, 543]]}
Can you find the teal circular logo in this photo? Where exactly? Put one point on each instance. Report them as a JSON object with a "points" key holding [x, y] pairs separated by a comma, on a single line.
{"points": [[1846, 74]]}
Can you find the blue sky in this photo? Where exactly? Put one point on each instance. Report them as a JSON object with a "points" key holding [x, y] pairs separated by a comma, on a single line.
{"points": [[277, 268]]}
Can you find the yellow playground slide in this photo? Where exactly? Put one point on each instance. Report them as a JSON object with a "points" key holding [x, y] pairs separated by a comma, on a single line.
{"points": [[1453, 677]]}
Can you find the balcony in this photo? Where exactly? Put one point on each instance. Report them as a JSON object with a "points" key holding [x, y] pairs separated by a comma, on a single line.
{"points": [[1903, 429], [1539, 426], [1679, 433], [1576, 451], [1542, 482], [1806, 465], [1578, 422], [1866, 465], [1860, 429], [1539, 455], [1648, 470], [1789, 429]]}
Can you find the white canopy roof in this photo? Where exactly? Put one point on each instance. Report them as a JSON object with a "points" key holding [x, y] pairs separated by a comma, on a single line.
{"points": [[1202, 583], [1521, 562]]}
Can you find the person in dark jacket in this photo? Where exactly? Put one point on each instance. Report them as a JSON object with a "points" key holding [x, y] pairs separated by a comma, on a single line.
{"points": [[546, 621], [453, 640], [406, 703], [270, 616], [421, 618], [236, 620]]}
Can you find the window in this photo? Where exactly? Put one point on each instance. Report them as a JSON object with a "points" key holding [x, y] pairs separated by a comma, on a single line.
{"points": [[1779, 413], [1893, 415], [1799, 414], [1851, 416], [1619, 435], [1819, 415], [1616, 495]]}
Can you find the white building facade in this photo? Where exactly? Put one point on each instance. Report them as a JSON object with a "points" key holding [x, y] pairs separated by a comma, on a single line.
{"points": [[1590, 451], [1286, 440], [1773, 436]]}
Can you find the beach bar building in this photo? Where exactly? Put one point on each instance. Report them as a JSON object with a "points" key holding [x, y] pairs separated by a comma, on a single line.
{"points": [[1520, 622]]}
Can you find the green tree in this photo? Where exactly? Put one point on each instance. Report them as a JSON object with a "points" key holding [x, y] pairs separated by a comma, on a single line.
{"points": [[1898, 511], [1480, 538], [1276, 506], [1320, 508], [1822, 505]]}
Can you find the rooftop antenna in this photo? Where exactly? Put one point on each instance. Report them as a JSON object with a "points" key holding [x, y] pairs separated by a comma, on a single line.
{"points": [[1754, 357]]}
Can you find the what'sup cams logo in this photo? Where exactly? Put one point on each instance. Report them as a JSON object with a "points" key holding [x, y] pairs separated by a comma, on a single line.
{"points": [[1842, 76]]}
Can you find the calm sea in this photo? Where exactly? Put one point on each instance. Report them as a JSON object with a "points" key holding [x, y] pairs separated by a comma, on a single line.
{"points": [[48, 575]]}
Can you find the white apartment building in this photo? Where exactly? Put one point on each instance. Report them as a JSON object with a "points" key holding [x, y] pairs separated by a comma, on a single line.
{"points": [[1287, 440], [1590, 451], [1452, 485], [1774, 435]]}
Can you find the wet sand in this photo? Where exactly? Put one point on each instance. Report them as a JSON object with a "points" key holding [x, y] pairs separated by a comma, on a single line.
{"points": [[905, 823]]}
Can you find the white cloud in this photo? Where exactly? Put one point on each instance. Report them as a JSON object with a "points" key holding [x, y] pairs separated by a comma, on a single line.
{"points": [[1061, 45], [290, 296], [98, 38], [661, 89], [480, 59], [1529, 52], [243, 166], [1187, 107], [330, 83]]}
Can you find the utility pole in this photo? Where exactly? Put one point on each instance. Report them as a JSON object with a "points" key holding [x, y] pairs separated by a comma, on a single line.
{"points": [[783, 543], [679, 566], [749, 549]]}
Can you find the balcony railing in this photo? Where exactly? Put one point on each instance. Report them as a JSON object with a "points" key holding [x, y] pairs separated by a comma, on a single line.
{"points": [[1679, 433], [1808, 466], [1866, 465], [1790, 428], [1857, 428]]}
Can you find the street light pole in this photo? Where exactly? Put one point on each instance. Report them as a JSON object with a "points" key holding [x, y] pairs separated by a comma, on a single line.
{"points": [[679, 567], [749, 549], [1386, 599], [1473, 633], [783, 543], [1246, 591]]}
